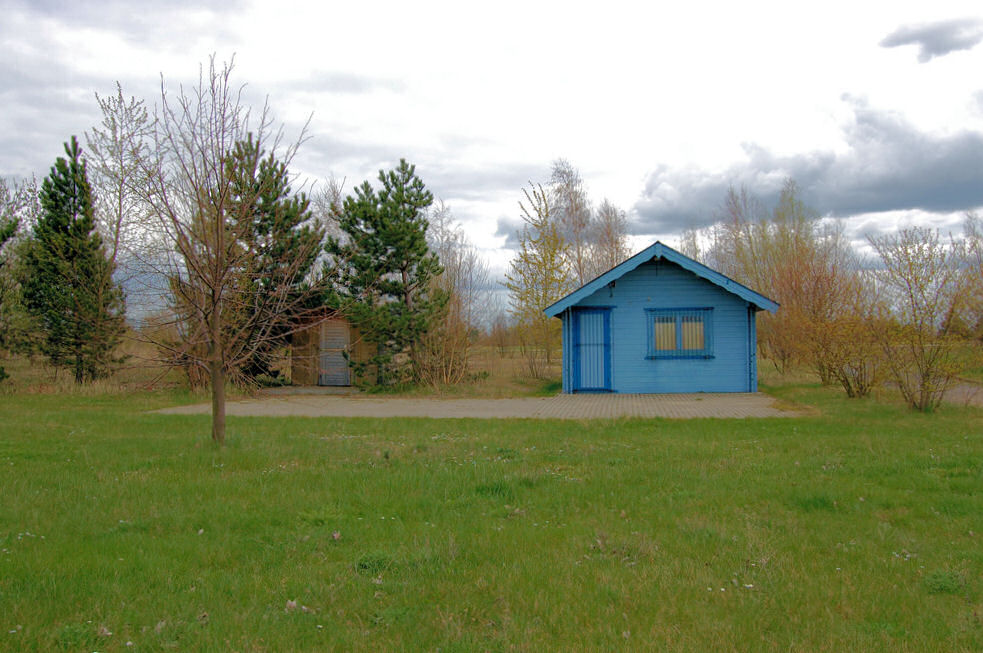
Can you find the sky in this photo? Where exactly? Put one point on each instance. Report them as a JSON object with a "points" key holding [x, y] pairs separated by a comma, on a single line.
{"points": [[874, 108]]}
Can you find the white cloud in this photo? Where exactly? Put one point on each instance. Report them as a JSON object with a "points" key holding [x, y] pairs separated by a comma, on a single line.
{"points": [[939, 38], [484, 96], [888, 165]]}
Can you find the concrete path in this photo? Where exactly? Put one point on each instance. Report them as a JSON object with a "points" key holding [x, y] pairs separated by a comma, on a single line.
{"points": [[586, 406], [965, 394]]}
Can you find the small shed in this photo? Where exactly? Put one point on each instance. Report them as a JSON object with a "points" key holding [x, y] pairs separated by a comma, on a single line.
{"points": [[660, 322], [320, 352]]}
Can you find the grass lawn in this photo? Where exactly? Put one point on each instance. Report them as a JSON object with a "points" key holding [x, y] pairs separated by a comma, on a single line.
{"points": [[858, 529]]}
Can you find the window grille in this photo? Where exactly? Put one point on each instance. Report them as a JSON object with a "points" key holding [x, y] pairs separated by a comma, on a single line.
{"points": [[679, 332]]}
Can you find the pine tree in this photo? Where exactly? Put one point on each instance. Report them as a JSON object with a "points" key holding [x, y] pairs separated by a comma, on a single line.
{"points": [[282, 243], [68, 285], [272, 241], [382, 272]]}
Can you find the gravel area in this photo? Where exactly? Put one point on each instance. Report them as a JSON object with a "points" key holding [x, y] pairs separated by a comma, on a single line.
{"points": [[581, 406]]}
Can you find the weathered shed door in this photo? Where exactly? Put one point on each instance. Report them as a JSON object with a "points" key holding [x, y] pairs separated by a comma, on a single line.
{"points": [[333, 368], [592, 350]]}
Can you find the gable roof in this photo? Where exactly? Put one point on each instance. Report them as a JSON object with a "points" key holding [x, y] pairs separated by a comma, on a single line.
{"points": [[655, 251]]}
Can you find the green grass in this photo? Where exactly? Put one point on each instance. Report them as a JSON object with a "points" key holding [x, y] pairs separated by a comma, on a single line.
{"points": [[858, 529]]}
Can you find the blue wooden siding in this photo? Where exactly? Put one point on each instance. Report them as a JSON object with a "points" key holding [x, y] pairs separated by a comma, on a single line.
{"points": [[664, 285], [566, 355]]}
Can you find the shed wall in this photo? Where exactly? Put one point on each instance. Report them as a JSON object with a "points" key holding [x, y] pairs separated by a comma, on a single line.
{"points": [[664, 285], [306, 359]]}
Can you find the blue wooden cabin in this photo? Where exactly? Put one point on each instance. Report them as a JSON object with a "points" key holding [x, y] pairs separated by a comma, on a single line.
{"points": [[660, 323]]}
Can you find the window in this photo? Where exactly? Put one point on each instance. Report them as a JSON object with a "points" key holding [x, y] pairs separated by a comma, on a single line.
{"points": [[679, 332]]}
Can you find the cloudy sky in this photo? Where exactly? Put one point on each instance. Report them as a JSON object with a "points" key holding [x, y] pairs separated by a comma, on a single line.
{"points": [[876, 112]]}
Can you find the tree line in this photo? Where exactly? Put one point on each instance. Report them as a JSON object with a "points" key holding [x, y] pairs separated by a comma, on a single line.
{"points": [[190, 201], [563, 243], [910, 314], [193, 199]]}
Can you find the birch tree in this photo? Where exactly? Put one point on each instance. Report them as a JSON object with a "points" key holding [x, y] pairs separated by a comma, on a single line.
{"points": [[537, 277], [116, 149], [10, 208], [572, 210], [443, 354], [596, 240], [609, 230], [20, 209]]}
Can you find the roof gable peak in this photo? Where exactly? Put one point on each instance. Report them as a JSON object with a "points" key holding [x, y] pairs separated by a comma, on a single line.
{"points": [[655, 251]]}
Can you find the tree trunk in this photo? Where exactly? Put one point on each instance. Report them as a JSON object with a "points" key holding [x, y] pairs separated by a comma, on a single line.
{"points": [[216, 370], [79, 369], [378, 366], [218, 400]]}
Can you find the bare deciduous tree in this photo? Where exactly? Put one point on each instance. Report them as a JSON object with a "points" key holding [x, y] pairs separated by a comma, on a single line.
{"points": [[689, 245], [808, 266], [444, 351], [973, 266], [500, 333], [596, 240], [202, 182], [537, 277], [326, 205], [791, 256], [842, 343], [610, 237], [571, 208], [18, 207], [117, 149], [923, 276], [734, 247]]}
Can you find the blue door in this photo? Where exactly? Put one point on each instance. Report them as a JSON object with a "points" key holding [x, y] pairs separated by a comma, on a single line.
{"points": [[592, 350]]}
